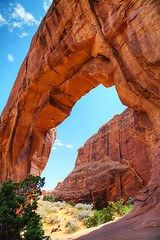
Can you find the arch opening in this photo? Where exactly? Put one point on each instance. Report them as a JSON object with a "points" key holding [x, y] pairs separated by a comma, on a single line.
{"points": [[89, 114], [116, 143]]}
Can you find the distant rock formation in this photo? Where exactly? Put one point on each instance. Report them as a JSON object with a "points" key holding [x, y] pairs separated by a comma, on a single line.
{"points": [[78, 45], [113, 163]]}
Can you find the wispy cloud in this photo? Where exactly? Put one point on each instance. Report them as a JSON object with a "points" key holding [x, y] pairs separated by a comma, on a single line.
{"points": [[60, 144], [54, 148], [10, 58], [46, 4], [23, 17], [69, 146], [17, 17], [2, 21], [23, 34]]}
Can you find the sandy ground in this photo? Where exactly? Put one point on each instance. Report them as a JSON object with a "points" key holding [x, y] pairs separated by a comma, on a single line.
{"points": [[77, 234], [66, 215]]}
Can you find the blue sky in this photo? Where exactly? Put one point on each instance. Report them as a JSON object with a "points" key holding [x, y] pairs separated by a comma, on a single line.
{"points": [[19, 21]]}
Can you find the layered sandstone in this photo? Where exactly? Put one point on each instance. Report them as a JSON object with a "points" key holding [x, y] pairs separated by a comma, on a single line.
{"points": [[113, 163], [80, 44]]}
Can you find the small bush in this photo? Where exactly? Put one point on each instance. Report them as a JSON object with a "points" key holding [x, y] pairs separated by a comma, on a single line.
{"points": [[46, 207], [83, 214], [99, 204], [59, 204], [49, 198], [54, 209], [52, 220], [72, 228], [99, 217], [118, 207], [131, 201], [42, 212], [84, 206], [72, 211], [91, 222], [107, 214], [71, 203], [127, 209], [70, 222]]}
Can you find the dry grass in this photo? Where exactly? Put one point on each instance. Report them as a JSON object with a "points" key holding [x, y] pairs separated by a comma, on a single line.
{"points": [[51, 219]]}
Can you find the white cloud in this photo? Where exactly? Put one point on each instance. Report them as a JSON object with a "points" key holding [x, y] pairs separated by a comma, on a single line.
{"points": [[17, 24], [46, 4], [69, 146], [2, 21], [17, 17], [54, 148], [23, 17], [60, 144], [23, 34], [10, 58]]}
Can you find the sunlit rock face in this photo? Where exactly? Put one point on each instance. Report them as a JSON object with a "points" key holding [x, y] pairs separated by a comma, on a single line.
{"points": [[114, 163], [80, 44]]}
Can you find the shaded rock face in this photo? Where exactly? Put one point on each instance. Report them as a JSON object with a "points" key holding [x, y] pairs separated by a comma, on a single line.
{"points": [[80, 44], [113, 163], [33, 155]]}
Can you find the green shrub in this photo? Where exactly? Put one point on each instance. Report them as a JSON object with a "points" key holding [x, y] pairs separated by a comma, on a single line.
{"points": [[70, 222], [131, 201], [91, 222], [99, 217], [54, 209], [18, 205], [71, 203], [83, 214], [107, 214], [127, 209], [84, 206], [46, 207], [59, 204], [72, 228], [99, 204], [49, 198], [52, 219], [119, 207], [42, 212], [36, 232], [72, 211]]}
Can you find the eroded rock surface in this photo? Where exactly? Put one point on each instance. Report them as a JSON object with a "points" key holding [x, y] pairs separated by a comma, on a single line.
{"points": [[113, 163], [80, 44]]}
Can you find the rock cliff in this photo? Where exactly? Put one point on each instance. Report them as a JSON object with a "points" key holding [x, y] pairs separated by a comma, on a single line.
{"points": [[80, 44], [113, 163]]}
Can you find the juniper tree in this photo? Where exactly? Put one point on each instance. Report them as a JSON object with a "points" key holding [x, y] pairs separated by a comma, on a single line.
{"points": [[18, 204]]}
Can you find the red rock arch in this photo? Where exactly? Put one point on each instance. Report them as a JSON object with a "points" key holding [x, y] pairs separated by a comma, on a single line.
{"points": [[79, 45]]}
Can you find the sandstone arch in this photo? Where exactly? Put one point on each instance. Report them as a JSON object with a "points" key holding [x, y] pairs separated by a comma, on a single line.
{"points": [[79, 44]]}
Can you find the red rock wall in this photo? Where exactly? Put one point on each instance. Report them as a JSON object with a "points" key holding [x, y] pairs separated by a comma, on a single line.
{"points": [[113, 163]]}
